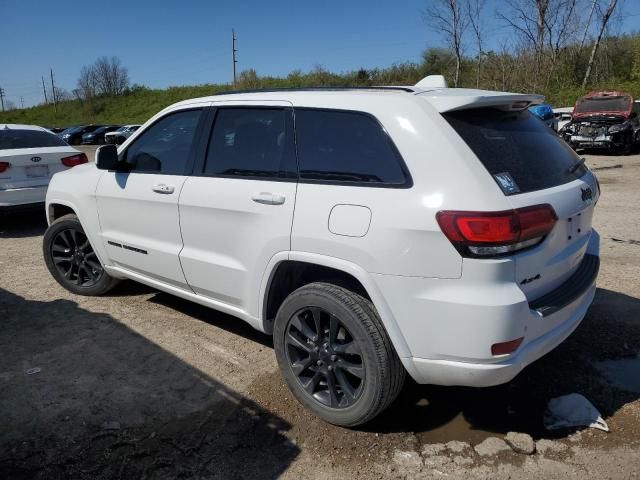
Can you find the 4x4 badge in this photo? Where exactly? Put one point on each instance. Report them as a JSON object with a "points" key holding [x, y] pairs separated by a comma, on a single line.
{"points": [[587, 194]]}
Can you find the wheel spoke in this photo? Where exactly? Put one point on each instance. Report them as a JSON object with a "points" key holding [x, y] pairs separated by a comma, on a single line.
{"points": [[69, 272], [79, 276], [60, 248], [345, 386], [301, 325], [333, 392], [58, 260], [317, 321], [310, 386], [301, 365], [74, 240], [297, 343], [89, 272], [353, 368], [94, 265], [334, 327], [63, 237], [349, 348]]}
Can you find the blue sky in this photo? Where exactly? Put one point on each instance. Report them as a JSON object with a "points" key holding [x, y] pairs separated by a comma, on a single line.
{"points": [[165, 42]]}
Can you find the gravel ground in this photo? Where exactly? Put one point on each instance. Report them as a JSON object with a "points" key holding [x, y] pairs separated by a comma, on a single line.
{"points": [[142, 384]]}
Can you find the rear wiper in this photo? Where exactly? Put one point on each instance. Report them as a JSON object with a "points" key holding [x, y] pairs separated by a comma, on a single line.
{"points": [[576, 166]]}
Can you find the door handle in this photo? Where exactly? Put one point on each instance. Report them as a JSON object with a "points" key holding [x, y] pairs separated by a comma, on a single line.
{"points": [[268, 198], [162, 188]]}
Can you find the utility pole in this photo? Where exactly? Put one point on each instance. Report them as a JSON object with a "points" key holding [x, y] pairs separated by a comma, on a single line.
{"points": [[21, 102], [44, 90], [2, 97], [53, 92], [233, 54]]}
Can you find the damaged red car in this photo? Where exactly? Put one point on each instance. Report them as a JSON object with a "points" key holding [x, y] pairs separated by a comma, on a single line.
{"points": [[604, 120]]}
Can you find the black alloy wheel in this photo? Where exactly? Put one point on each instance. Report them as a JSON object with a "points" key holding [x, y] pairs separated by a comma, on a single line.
{"points": [[75, 259], [325, 358]]}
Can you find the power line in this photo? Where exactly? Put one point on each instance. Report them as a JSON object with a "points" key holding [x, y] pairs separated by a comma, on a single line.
{"points": [[53, 92], [44, 90], [233, 54]]}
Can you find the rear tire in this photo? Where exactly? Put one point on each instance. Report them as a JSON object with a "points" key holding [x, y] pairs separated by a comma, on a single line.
{"points": [[71, 259], [335, 354]]}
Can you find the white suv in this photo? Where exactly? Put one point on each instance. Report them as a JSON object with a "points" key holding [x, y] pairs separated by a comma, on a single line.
{"points": [[443, 233]]}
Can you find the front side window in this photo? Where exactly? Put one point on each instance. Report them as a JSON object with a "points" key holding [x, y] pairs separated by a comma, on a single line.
{"points": [[346, 147], [165, 147], [251, 143]]}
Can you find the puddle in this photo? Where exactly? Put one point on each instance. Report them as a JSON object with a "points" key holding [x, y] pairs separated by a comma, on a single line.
{"points": [[623, 373]]}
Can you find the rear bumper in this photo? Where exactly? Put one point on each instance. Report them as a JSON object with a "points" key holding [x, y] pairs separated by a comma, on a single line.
{"points": [[448, 372], [13, 197], [450, 325]]}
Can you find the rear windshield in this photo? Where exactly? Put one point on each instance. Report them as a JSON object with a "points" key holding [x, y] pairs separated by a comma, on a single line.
{"points": [[520, 152], [10, 138], [603, 104]]}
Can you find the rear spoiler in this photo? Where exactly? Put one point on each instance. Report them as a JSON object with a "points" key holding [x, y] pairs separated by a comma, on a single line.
{"points": [[448, 100]]}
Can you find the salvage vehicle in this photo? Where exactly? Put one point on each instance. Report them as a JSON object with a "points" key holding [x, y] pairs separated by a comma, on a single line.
{"points": [[604, 120], [97, 136], [73, 135], [373, 232], [29, 157], [563, 116]]}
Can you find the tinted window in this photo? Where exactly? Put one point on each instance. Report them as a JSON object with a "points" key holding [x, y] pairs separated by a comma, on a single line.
{"points": [[165, 146], [251, 142], [516, 146], [345, 147], [10, 138]]}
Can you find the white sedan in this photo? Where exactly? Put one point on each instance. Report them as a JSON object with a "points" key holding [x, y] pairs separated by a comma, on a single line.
{"points": [[29, 157]]}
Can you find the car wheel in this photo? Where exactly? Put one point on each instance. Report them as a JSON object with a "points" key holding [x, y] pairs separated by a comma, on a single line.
{"points": [[71, 259], [335, 354]]}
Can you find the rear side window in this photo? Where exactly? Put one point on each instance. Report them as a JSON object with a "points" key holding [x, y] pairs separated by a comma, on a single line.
{"points": [[10, 138], [251, 143], [520, 152], [346, 147]]}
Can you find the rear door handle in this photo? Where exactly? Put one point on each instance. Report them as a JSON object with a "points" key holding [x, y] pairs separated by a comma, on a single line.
{"points": [[268, 198], [162, 188]]}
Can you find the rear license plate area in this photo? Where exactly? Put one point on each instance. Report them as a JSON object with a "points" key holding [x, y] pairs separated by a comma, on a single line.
{"points": [[37, 171]]}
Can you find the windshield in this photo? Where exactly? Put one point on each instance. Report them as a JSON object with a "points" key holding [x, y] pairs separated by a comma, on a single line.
{"points": [[603, 104], [70, 130], [28, 139]]}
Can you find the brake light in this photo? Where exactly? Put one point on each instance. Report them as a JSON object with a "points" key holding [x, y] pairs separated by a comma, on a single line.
{"points": [[75, 160], [495, 233], [4, 166]]}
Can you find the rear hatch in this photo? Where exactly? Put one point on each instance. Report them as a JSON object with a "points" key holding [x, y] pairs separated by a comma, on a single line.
{"points": [[533, 166]]}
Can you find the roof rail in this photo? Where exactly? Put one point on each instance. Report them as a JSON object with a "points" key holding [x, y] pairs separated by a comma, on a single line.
{"points": [[315, 89]]}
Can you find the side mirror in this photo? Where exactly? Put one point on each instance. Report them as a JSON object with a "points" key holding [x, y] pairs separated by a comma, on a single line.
{"points": [[107, 157]]}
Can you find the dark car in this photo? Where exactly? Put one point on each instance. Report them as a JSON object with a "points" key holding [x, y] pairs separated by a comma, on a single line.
{"points": [[73, 135], [97, 136], [604, 120], [56, 129]]}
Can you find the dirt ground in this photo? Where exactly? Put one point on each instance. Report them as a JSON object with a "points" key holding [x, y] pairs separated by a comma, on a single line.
{"points": [[139, 384]]}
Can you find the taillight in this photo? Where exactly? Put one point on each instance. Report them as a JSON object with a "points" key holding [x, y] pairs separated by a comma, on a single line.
{"points": [[74, 160], [4, 166], [495, 233]]}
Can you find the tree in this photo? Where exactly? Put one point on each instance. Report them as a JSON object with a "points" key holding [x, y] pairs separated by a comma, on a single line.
{"points": [[446, 16], [596, 44], [106, 77], [474, 13]]}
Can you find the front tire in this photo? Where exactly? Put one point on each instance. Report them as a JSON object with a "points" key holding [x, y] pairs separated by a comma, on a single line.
{"points": [[71, 259], [335, 354]]}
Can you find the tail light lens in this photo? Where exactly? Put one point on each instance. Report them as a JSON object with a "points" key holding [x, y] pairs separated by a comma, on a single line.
{"points": [[75, 160], [485, 234], [4, 166]]}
